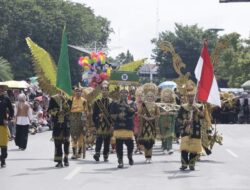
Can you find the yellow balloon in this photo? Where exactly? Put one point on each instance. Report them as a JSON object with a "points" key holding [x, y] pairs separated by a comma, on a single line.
{"points": [[109, 71], [86, 68]]}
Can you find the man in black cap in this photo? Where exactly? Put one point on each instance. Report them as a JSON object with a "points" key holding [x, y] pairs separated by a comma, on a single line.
{"points": [[59, 110], [122, 112], [6, 113], [190, 118]]}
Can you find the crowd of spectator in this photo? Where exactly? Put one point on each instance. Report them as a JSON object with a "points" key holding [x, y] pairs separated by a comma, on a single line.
{"points": [[37, 101]]}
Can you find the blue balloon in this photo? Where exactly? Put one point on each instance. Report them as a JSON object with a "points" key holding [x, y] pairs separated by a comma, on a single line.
{"points": [[90, 71]]}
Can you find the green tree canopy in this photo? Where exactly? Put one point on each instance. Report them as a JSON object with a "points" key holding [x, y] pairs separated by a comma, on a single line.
{"points": [[124, 58], [234, 61], [187, 42], [230, 54], [43, 21]]}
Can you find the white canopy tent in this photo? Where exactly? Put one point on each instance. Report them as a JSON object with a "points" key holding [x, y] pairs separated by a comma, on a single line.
{"points": [[15, 84]]}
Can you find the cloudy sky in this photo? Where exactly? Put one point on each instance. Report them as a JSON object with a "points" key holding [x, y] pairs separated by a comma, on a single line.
{"points": [[136, 22]]}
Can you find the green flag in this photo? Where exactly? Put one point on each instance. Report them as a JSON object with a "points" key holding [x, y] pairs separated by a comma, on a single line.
{"points": [[63, 79]]}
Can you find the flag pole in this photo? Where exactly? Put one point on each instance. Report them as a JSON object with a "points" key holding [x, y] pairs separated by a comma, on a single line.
{"points": [[197, 84]]}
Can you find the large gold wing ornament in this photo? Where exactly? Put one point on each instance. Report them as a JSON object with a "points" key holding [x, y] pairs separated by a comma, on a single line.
{"points": [[220, 46], [133, 66], [44, 67], [178, 64]]}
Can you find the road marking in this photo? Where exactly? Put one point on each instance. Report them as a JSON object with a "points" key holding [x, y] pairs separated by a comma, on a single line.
{"points": [[232, 153], [73, 173]]}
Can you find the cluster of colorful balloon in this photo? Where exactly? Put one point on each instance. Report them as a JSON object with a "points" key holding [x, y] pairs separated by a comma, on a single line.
{"points": [[95, 68], [95, 59]]}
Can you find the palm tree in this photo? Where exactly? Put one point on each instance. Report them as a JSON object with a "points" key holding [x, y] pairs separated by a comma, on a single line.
{"points": [[5, 70]]}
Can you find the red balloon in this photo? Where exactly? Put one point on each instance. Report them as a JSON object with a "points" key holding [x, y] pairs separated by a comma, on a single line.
{"points": [[104, 76]]}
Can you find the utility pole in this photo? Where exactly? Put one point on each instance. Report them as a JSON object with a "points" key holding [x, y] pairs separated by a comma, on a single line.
{"points": [[157, 18]]}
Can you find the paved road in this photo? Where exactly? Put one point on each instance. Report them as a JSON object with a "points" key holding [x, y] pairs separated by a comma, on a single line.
{"points": [[227, 168]]}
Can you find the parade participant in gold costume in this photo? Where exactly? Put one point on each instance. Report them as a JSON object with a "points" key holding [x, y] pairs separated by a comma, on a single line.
{"points": [[138, 103], [78, 118], [59, 110], [190, 118], [168, 114], [103, 123], [149, 114]]}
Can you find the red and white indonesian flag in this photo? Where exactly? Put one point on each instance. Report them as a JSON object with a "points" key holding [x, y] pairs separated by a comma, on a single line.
{"points": [[207, 85]]}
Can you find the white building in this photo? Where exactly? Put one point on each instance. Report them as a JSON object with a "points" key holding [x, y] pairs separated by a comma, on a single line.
{"points": [[148, 71]]}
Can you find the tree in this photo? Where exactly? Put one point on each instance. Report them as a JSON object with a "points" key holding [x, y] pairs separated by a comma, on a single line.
{"points": [[5, 70], [230, 54], [43, 22], [187, 42], [123, 58], [234, 61]]}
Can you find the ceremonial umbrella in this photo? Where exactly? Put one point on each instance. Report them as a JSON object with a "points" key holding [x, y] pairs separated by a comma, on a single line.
{"points": [[168, 84], [15, 84], [33, 80]]}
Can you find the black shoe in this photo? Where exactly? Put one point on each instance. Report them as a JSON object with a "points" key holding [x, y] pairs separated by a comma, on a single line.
{"points": [[131, 161], [3, 164], [59, 165], [105, 158], [120, 164], [96, 157], [191, 168], [208, 152], [66, 161], [183, 168], [73, 157]]}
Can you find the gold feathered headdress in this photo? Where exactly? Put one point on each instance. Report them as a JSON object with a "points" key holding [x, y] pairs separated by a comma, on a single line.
{"points": [[139, 91], [150, 87], [190, 88], [105, 85], [167, 92]]}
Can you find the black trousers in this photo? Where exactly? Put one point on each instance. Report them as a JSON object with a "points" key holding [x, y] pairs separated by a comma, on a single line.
{"points": [[60, 147], [21, 139], [102, 140], [177, 130], [188, 159], [119, 147], [4, 153]]}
